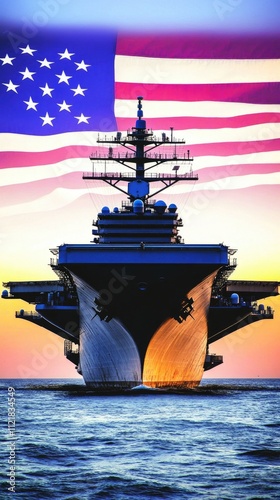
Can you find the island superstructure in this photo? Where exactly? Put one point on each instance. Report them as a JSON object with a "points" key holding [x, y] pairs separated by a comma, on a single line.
{"points": [[137, 305]]}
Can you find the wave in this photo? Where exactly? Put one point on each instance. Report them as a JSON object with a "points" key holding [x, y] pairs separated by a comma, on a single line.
{"points": [[264, 453], [43, 451]]}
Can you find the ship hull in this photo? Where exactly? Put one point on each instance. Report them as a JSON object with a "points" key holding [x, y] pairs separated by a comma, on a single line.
{"points": [[176, 353], [109, 359], [155, 348]]}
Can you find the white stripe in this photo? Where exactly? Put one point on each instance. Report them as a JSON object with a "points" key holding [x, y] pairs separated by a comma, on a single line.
{"points": [[13, 176], [246, 159], [35, 143], [61, 197], [161, 109], [163, 70]]}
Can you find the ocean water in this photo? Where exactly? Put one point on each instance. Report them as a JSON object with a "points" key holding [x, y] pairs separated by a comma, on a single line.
{"points": [[221, 441]]}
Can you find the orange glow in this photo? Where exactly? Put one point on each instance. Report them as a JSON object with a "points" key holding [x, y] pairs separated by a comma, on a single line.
{"points": [[176, 353], [28, 351]]}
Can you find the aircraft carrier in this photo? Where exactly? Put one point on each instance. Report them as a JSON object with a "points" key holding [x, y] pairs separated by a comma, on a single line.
{"points": [[138, 306]]}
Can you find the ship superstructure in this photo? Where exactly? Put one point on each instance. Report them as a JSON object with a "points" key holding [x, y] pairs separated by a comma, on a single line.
{"points": [[138, 304]]}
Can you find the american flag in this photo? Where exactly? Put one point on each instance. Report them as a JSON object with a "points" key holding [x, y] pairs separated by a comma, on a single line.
{"points": [[60, 88]]}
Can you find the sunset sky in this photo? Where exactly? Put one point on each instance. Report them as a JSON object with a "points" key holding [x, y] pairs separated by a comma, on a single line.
{"points": [[48, 209]]}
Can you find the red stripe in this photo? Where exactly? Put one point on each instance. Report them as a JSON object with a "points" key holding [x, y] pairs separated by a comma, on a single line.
{"points": [[21, 159], [199, 45], [201, 122], [254, 93]]}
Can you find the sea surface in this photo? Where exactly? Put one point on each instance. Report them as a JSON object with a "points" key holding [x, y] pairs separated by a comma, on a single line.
{"points": [[221, 441]]}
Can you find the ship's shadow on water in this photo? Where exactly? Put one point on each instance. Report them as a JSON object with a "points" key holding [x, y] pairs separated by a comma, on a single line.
{"points": [[263, 454], [203, 390]]}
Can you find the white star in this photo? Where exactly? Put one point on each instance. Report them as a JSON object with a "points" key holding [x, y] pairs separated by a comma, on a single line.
{"points": [[78, 90], [31, 104], [82, 65], [47, 120], [82, 118], [64, 106], [7, 60], [45, 63], [27, 74], [11, 86], [27, 50], [66, 54], [63, 78], [46, 90]]}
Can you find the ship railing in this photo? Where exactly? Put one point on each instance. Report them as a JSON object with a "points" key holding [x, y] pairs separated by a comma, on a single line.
{"points": [[158, 175], [152, 175], [131, 138], [152, 156], [152, 138]]}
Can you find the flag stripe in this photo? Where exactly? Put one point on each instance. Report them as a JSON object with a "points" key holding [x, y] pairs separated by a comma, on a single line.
{"points": [[19, 159], [195, 71], [152, 109], [254, 93], [21, 142], [24, 175], [199, 45], [213, 173], [186, 123]]}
